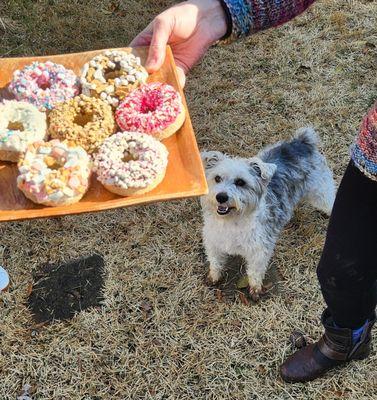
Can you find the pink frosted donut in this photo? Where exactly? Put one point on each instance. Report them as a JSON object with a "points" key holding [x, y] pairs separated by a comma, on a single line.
{"points": [[154, 108], [44, 84]]}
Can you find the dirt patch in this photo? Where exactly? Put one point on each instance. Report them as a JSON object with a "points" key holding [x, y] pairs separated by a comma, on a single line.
{"points": [[61, 290]]}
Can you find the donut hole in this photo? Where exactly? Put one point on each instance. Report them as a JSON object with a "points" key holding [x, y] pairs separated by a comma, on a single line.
{"points": [[43, 83], [15, 126], [112, 73], [127, 157], [83, 118], [55, 166], [53, 163], [150, 103]]}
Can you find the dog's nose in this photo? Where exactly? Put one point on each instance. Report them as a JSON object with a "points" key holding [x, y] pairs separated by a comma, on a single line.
{"points": [[222, 197]]}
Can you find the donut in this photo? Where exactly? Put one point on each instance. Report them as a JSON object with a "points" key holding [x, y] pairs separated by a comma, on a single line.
{"points": [[154, 108], [44, 84], [20, 124], [54, 173], [112, 75], [84, 120], [131, 163]]}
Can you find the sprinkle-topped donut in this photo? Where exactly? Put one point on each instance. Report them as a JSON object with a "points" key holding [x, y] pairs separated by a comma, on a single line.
{"points": [[112, 75], [44, 84], [130, 163], [20, 124], [86, 121], [54, 173], [155, 108]]}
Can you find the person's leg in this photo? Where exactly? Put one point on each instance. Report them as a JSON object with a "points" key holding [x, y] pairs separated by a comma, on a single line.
{"points": [[347, 273]]}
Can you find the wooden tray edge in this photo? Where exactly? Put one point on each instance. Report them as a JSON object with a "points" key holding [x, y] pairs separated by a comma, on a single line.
{"points": [[113, 204]]}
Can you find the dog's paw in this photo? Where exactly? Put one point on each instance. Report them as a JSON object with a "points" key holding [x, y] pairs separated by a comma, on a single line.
{"points": [[211, 280], [208, 281], [255, 292]]}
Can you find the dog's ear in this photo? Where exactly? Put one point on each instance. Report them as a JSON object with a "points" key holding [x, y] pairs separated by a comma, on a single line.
{"points": [[263, 170], [211, 158]]}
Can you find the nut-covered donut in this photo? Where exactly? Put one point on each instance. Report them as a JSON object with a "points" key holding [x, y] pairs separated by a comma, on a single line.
{"points": [[86, 121], [54, 173], [155, 108], [130, 163], [112, 75], [21, 123], [44, 84]]}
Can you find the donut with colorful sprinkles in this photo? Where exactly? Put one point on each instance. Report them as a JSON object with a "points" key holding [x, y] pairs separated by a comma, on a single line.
{"points": [[20, 124], [87, 121], [54, 173], [155, 108], [131, 163], [112, 75], [44, 84]]}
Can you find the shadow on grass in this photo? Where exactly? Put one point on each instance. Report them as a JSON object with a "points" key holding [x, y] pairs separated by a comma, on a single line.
{"points": [[60, 291], [233, 285]]}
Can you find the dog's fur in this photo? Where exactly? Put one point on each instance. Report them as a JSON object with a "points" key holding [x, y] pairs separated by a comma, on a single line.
{"points": [[251, 200]]}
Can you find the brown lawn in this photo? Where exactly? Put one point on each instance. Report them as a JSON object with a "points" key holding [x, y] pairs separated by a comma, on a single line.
{"points": [[161, 333]]}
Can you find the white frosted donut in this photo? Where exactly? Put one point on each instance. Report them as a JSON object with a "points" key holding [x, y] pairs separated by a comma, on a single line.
{"points": [[112, 75], [130, 163], [54, 173], [21, 123]]}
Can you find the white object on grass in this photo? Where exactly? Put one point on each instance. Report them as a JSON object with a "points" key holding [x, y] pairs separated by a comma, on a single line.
{"points": [[4, 279]]}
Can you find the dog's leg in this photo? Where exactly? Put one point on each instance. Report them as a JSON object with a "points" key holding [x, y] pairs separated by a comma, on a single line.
{"points": [[216, 263], [321, 192], [256, 266]]}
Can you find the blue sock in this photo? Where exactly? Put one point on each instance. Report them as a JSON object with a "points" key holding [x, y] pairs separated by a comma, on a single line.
{"points": [[356, 333]]}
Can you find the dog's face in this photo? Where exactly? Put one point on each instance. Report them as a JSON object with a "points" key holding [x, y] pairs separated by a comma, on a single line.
{"points": [[235, 185]]}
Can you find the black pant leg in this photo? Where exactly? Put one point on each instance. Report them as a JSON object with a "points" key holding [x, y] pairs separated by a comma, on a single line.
{"points": [[347, 271]]}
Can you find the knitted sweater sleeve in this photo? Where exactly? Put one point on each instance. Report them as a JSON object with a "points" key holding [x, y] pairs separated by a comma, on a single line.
{"points": [[364, 151], [249, 16]]}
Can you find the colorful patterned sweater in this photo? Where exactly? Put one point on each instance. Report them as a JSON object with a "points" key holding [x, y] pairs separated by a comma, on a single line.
{"points": [[249, 16], [364, 151]]}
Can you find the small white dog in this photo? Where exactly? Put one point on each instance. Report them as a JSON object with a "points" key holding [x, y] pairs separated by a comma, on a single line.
{"points": [[251, 200]]}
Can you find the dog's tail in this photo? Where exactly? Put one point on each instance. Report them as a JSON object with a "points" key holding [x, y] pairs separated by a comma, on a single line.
{"points": [[307, 136]]}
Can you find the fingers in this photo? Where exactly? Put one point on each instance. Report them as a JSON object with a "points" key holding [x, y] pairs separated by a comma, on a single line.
{"points": [[162, 30], [156, 35]]}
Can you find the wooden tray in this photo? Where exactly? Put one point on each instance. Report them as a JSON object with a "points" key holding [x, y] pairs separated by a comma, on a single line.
{"points": [[184, 175]]}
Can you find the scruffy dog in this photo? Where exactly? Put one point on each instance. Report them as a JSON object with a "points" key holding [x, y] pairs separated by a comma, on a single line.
{"points": [[250, 200]]}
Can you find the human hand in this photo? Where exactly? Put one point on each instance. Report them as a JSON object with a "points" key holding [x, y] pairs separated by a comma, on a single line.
{"points": [[190, 28]]}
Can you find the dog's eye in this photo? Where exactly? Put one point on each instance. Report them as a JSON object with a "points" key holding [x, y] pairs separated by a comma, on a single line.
{"points": [[240, 182], [217, 178]]}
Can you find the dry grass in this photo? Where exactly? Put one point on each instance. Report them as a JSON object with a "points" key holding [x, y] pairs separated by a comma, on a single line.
{"points": [[320, 70]]}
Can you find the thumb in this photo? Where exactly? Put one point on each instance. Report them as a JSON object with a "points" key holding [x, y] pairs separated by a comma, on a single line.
{"points": [[157, 48]]}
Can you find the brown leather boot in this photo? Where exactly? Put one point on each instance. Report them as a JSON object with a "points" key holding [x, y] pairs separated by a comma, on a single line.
{"points": [[335, 348]]}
